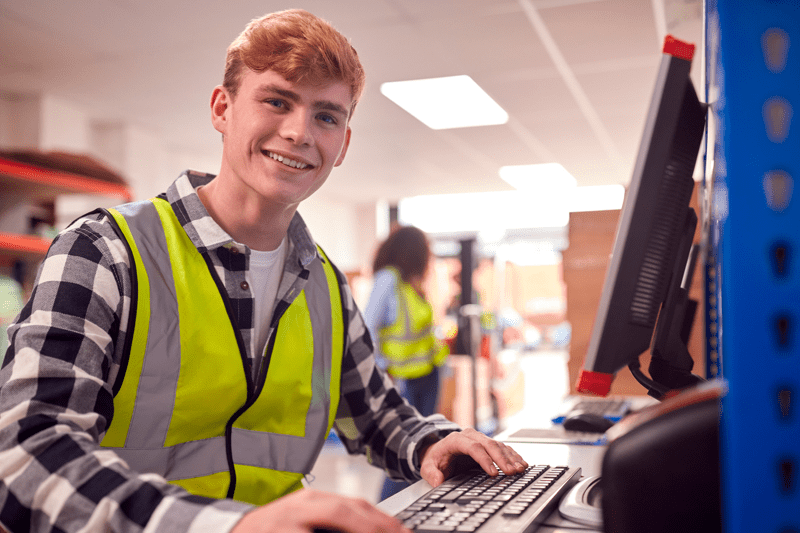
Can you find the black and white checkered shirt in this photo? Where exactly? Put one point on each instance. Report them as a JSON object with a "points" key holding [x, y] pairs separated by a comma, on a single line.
{"points": [[56, 383]]}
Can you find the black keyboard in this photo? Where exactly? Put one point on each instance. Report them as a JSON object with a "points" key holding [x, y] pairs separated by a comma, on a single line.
{"points": [[476, 502], [612, 408]]}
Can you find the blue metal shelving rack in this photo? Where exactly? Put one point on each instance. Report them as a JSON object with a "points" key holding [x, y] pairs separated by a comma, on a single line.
{"points": [[753, 260]]}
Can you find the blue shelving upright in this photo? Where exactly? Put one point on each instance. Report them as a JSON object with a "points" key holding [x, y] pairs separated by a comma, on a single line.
{"points": [[753, 259]]}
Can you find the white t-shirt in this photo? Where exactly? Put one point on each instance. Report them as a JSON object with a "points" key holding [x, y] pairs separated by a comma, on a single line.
{"points": [[266, 269]]}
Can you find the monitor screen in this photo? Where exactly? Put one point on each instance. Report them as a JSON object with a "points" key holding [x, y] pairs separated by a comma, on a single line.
{"points": [[654, 233]]}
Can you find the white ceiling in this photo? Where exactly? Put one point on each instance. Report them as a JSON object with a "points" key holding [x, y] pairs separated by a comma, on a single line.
{"points": [[575, 76]]}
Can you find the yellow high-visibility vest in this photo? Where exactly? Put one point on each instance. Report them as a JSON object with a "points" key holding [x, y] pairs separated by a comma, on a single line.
{"points": [[409, 345], [187, 407]]}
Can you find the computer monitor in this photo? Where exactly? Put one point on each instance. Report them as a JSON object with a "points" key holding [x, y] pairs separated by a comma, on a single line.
{"points": [[645, 288]]}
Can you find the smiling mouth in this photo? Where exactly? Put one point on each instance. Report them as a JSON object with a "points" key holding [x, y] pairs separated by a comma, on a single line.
{"points": [[285, 160]]}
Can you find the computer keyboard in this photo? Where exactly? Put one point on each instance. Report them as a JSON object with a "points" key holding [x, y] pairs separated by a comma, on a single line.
{"points": [[476, 502], [612, 408]]}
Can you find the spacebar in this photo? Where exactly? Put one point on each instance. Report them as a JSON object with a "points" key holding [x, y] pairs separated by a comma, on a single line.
{"points": [[428, 528]]}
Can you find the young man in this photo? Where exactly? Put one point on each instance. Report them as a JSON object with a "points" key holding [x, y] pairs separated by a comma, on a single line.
{"points": [[182, 359]]}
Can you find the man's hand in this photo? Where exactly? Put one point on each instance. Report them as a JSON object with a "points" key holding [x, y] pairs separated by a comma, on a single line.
{"points": [[459, 451], [306, 509]]}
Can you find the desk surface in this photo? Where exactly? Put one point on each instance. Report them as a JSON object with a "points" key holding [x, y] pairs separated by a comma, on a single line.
{"points": [[589, 458]]}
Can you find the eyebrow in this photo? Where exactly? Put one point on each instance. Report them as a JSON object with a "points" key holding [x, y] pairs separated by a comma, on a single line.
{"points": [[325, 105]]}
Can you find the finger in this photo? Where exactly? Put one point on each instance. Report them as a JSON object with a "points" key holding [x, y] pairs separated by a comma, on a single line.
{"points": [[506, 458], [432, 472], [517, 457], [503, 456], [479, 453], [455, 453], [480, 449]]}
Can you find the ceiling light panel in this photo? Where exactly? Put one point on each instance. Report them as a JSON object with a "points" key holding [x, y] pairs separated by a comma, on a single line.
{"points": [[597, 198], [444, 103], [487, 211], [547, 177]]}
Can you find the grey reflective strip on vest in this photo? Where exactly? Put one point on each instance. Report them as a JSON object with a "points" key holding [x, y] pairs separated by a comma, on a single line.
{"points": [[181, 461], [162, 364], [420, 359], [144, 447]]}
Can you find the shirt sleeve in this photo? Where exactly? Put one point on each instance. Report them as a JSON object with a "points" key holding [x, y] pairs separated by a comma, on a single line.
{"points": [[372, 418], [381, 309], [56, 402]]}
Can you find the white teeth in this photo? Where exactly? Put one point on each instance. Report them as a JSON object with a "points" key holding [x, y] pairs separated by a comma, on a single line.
{"points": [[286, 161]]}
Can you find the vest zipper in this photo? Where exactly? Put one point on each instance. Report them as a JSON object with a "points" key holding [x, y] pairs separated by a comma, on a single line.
{"points": [[265, 360], [251, 399]]}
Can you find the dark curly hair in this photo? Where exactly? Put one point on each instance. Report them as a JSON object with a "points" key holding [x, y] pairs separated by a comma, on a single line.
{"points": [[406, 249]]}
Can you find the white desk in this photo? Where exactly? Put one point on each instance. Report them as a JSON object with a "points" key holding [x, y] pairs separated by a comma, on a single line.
{"points": [[589, 458]]}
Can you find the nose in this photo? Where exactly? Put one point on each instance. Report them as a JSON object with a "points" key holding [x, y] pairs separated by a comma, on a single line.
{"points": [[296, 128]]}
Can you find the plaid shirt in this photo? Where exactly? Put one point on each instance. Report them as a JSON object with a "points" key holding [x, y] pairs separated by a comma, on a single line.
{"points": [[56, 384]]}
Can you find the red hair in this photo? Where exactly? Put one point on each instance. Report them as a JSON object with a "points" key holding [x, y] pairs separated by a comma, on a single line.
{"points": [[299, 46]]}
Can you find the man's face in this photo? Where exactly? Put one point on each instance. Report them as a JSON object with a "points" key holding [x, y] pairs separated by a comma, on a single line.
{"points": [[282, 139]]}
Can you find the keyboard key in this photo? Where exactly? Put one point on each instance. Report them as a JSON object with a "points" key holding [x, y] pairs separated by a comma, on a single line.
{"points": [[452, 496], [431, 528]]}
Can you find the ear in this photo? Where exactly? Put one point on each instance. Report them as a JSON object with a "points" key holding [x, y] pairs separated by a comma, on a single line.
{"points": [[220, 100], [344, 148]]}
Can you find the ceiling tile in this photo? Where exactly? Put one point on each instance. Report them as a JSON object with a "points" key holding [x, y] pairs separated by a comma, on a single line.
{"points": [[608, 29]]}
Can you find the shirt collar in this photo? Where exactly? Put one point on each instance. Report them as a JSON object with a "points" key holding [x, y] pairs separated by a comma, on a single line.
{"points": [[207, 235]]}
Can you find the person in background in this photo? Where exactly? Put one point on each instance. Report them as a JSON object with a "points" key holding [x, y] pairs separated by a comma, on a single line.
{"points": [[400, 322], [181, 360]]}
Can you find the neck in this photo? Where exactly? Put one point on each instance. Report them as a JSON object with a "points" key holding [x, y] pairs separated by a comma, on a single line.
{"points": [[248, 219]]}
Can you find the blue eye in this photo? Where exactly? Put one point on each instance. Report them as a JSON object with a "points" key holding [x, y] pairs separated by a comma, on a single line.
{"points": [[327, 118]]}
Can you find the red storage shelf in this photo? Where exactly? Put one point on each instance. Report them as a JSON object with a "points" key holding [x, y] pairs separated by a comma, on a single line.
{"points": [[39, 184]]}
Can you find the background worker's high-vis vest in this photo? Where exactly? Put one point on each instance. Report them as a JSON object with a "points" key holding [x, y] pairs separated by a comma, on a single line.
{"points": [[409, 345], [187, 408]]}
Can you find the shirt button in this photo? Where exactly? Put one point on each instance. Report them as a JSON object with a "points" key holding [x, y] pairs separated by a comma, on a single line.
{"points": [[244, 286]]}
